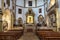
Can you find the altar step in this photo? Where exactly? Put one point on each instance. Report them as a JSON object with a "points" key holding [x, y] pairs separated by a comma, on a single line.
{"points": [[29, 28]]}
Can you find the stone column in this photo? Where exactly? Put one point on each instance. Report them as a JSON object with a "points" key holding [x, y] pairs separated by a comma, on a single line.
{"points": [[2, 5], [58, 14]]}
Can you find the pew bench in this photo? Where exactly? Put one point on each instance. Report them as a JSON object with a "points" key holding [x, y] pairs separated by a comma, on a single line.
{"points": [[20, 34], [42, 31], [11, 35], [48, 35]]}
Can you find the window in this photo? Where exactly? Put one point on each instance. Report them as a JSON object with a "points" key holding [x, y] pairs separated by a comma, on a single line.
{"points": [[4, 4], [30, 3], [13, 7], [19, 11], [40, 10], [8, 2]]}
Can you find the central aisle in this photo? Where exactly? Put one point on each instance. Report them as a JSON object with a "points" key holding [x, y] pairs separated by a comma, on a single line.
{"points": [[29, 36]]}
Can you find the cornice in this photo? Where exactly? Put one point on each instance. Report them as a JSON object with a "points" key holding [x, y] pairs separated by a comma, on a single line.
{"points": [[31, 7]]}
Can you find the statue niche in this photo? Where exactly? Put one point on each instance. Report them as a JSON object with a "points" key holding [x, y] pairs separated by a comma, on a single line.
{"points": [[30, 16]]}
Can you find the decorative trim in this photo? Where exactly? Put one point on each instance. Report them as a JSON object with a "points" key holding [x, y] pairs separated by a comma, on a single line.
{"points": [[51, 7], [24, 3], [44, 9], [32, 7], [35, 3]]}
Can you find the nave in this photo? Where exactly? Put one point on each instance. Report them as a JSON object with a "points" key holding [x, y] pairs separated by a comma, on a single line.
{"points": [[29, 36], [38, 34]]}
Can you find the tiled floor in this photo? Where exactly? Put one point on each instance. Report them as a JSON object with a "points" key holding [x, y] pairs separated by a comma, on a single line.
{"points": [[29, 36]]}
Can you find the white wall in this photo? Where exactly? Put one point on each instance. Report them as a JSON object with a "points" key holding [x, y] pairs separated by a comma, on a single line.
{"points": [[24, 10], [17, 14], [0, 3], [40, 2], [59, 3], [20, 2], [10, 4]]}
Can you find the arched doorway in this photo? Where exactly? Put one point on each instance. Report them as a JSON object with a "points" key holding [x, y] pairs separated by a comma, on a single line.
{"points": [[30, 16]]}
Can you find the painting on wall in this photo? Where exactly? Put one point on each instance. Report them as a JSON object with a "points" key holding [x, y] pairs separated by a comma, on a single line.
{"points": [[30, 19]]}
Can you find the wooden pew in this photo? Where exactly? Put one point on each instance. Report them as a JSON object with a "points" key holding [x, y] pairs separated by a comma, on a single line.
{"points": [[8, 35], [48, 35], [11, 35], [42, 30], [51, 35], [20, 34]]}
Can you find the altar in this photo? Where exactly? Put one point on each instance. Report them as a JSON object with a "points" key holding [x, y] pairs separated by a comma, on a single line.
{"points": [[29, 25], [29, 28]]}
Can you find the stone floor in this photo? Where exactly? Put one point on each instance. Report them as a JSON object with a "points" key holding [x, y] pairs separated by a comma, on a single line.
{"points": [[29, 36]]}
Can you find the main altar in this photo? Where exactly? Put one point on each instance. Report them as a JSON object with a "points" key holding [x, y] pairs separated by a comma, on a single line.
{"points": [[29, 25]]}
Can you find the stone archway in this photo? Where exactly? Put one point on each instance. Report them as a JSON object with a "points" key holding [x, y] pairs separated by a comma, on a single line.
{"points": [[30, 16]]}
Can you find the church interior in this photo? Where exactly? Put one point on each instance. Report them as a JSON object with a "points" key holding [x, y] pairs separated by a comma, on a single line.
{"points": [[29, 20]]}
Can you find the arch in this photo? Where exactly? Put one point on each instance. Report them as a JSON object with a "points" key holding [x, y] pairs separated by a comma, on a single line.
{"points": [[40, 18], [14, 18], [20, 21]]}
